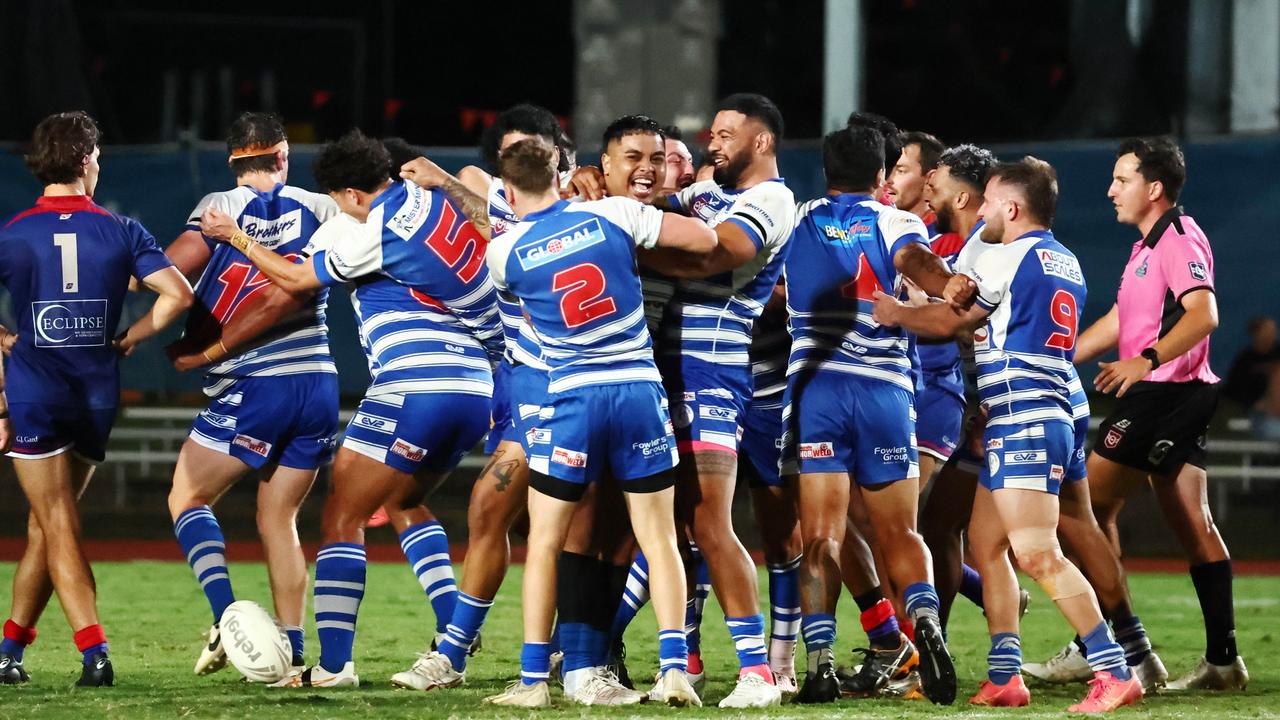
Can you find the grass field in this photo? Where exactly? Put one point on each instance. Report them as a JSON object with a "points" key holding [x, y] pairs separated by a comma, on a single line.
{"points": [[154, 615]]}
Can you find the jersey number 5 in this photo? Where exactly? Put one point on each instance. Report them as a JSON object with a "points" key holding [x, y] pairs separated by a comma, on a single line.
{"points": [[1063, 311], [582, 286], [457, 242]]}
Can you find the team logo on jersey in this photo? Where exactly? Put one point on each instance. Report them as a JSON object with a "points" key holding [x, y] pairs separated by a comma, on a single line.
{"points": [[1141, 271], [70, 323], [1198, 270], [411, 216], [408, 451], [813, 451], [253, 445], [571, 240], [272, 233], [569, 458], [1060, 265]]}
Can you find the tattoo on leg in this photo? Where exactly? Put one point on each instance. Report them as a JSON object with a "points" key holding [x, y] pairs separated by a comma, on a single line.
{"points": [[503, 470]]}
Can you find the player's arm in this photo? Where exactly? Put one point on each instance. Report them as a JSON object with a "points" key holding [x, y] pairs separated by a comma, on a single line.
{"points": [[175, 297], [733, 249], [428, 175], [929, 272], [1099, 338], [256, 315], [189, 253], [293, 278], [1199, 318], [941, 320]]}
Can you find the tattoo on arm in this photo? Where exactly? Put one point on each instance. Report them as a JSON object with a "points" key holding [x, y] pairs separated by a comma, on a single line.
{"points": [[474, 207]]}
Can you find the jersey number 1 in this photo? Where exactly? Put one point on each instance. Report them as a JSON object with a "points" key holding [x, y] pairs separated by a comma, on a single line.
{"points": [[66, 243], [582, 286], [1063, 311]]}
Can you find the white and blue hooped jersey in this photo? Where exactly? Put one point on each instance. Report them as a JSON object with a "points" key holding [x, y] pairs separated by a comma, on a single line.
{"points": [[521, 344], [841, 253], [1034, 289], [425, 304], [769, 351], [710, 319], [282, 220], [573, 266]]}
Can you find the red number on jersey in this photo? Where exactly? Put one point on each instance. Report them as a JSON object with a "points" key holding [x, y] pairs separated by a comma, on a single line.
{"points": [[456, 241], [582, 285], [1065, 315], [235, 279], [864, 282]]}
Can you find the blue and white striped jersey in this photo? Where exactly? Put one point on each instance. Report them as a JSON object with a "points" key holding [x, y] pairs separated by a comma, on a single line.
{"points": [[282, 220], [521, 344], [1034, 289], [841, 253], [710, 319], [427, 309], [770, 348], [573, 266]]}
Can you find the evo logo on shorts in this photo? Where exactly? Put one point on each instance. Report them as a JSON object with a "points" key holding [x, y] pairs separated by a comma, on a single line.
{"points": [[709, 412], [538, 436], [1025, 457], [570, 458], [408, 450], [253, 445], [375, 423], [813, 451]]}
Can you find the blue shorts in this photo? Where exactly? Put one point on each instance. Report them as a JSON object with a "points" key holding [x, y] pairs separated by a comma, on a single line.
{"points": [[408, 432], [501, 428], [1028, 457], [528, 393], [289, 419], [1076, 470], [761, 443], [621, 429], [707, 404], [939, 412], [836, 422], [42, 431]]}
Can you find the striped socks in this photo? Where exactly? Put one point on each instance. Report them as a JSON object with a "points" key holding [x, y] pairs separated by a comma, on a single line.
{"points": [[1104, 653], [784, 612], [426, 547], [468, 617], [1005, 658], [206, 552], [339, 588], [535, 663], [673, 652]]}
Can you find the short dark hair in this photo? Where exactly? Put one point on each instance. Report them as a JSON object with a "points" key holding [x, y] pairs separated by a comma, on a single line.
{"points": [[526, 165], [930, 148], [852, 157], [757, 107], [353, 161], [59, 146], [630, 125], [255, 129], [887, 128], [1159, 159], [672, 132], [1039, 184], [969, 164], [401, 152], [525, 118]]}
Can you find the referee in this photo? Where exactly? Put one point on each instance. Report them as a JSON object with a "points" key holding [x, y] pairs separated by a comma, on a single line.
{"points": [[1166, 394]]}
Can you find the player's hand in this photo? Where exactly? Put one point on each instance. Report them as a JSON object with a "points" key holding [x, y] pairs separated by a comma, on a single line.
{"points": [[6, 434], [8, 341], [586, 182], [190, 361], [123, 345], [217, 225], [423, 173], [886, 309], [1120, 375], [960, 291]]}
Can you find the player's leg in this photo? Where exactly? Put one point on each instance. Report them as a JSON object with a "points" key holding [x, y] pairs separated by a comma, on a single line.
{"points": [[425, 545], [942, 522], [279, 499], [822, 499], [989, 549]]}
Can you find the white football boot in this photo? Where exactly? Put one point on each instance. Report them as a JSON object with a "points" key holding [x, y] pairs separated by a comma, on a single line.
{"points": [[1068, 666], [673, 688], [518, 694], [1208, 676], [601, 687], [212, 656], [1151, 672], [317, 677], [752, 691], [432, 670]]}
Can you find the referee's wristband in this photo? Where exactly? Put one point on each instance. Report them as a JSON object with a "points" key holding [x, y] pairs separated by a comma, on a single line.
{"points": [[1151, 354]]}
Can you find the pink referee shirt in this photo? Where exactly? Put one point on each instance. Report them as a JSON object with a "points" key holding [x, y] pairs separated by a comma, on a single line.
{"points": [[1171, 261]]}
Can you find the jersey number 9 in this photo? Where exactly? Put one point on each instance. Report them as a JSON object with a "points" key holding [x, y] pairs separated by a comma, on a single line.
{"points": [[1063, 311]]}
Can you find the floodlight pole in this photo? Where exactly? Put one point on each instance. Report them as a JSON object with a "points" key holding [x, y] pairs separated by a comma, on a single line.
{"points": [[843, 62]]}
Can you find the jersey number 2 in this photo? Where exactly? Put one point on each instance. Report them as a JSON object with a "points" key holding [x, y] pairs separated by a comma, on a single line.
{"points": [[1063, 311], [582, 286], [66, 243]]}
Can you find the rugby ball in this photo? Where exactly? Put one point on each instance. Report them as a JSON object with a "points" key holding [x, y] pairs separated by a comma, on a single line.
{"points": [[254, 644]]}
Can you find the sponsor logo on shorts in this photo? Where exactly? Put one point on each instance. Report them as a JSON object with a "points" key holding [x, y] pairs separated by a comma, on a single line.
{"points": [[650, 448], [253, 445], [1121, 424], [668, 426], [1056, 473], [373, 422], [690, 396], [571, 458], [564, 243], [1060, 265], [408, 450], [1113, 438], [710, 412], [1198, 270], [995, 443], [1159, 451], [892, 454], [273, 233], [538, 436], [993, 463], [226, 422], [813, 451], [27, 439], [1025, 457], [682, 415]]}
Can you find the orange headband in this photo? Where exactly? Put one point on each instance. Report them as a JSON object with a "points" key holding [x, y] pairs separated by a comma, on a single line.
{"points": [[256, 150]]}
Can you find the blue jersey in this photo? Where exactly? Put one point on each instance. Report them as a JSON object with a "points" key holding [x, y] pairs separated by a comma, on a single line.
{"points": [[710, 319], [521, 344], [942, 358], [66, 263], [427, 309], [281, 220], [841, 253], [770, 348], [573, 266], [1034, 289]]}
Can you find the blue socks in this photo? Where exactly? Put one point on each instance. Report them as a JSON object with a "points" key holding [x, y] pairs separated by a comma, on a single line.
{"points": [[201, 540], [634, 596], [1132, 637], [339, 588], [297, 641], [921, 600], [971, 584], [468, 617], [673, 652], [1005, 659], [784, 607], [535, 663], [748, 639], [819, 631], [426, 547], [1104, 653]]}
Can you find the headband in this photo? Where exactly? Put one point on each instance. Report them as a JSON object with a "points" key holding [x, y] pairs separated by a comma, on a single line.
{"points": [[249, 151]]}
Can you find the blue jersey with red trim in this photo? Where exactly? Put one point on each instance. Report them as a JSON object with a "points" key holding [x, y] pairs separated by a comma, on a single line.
{"points": [[67, 263]]}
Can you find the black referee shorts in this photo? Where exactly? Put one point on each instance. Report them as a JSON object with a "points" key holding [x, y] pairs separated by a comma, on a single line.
{"points": [[1157, 427]]}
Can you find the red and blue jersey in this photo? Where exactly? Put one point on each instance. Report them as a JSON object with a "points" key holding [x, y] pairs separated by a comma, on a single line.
{"points": [[841, 253], [282, 220], [66, 263], [1034, 290], [941, 358]]}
